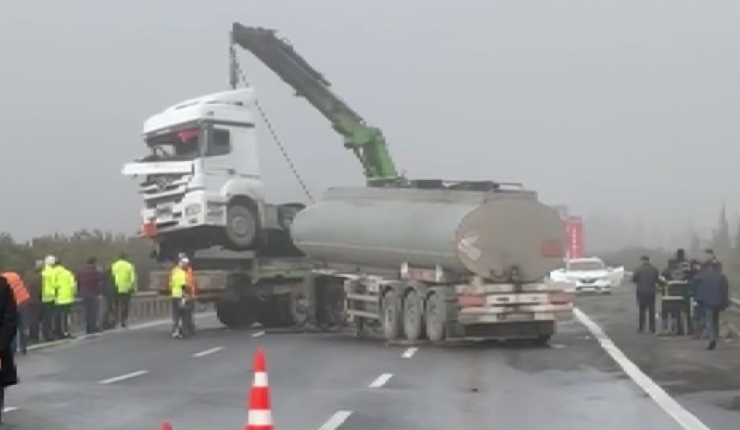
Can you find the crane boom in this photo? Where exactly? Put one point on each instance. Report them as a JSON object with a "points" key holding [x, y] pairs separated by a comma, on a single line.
{"points": [[367, 142]]}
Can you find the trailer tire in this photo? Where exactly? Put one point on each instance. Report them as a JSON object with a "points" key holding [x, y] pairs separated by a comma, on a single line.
{"points": [[413, 316], [242, 224], [435, 316], [391, 315], [235, 314]]}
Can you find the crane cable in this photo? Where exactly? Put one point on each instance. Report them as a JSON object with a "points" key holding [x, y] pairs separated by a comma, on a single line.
{"points": [[236, 67]]}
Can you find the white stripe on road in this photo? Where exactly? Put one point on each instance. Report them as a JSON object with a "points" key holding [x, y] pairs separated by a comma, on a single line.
{"points": [[336, 420], [123, 377], [258, 334], [683, 417], [10, 408], [208, 351], [409, 352], [381, 380]]}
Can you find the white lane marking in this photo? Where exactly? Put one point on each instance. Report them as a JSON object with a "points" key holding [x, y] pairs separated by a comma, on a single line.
{"points": [[381, 380], [336, 420], [208, 351], [10, 408], [679, 414], [258, 334], [409, 352], [123, 377]]}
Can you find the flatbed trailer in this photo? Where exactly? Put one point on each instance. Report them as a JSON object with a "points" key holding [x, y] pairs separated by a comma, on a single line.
{"points": [[409, 304]]}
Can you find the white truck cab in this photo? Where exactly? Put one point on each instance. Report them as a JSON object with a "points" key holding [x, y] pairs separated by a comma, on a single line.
{"points": [[201, 184]]}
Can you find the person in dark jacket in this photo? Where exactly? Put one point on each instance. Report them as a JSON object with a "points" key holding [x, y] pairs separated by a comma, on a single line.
{"points": [[32, 280], [678, 274], [89, 284], [713, 293], [646, 278], [8, 329]]}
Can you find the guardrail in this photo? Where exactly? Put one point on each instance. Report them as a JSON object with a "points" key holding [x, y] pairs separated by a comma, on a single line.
{"points": [[145, 306]]}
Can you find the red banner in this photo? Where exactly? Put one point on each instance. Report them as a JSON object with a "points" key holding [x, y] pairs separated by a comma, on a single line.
{"points": [[574, 231]]}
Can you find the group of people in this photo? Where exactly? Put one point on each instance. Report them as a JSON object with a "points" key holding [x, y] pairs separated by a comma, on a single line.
{"points": [[702, 295], [45, 297]]}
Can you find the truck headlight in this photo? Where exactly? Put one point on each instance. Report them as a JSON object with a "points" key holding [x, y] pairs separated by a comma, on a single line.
{"points": [[192, 210]]}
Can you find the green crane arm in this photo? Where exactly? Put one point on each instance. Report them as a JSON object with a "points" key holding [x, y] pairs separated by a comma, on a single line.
{"points": [[365, 141]]}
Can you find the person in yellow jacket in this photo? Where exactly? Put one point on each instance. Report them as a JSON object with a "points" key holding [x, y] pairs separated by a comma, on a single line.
{"points": [[48, 296], [123, 273], [182, 291], [66, 293]]}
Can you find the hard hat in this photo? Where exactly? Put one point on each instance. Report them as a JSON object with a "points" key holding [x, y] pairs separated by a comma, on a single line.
{"points": [[50, 260], [184, 260]]}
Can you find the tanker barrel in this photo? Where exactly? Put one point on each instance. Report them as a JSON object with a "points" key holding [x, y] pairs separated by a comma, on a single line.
{"points": [[466, 232]]}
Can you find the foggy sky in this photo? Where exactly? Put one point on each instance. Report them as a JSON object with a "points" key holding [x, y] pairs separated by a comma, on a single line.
{"points": [[624, 108]]}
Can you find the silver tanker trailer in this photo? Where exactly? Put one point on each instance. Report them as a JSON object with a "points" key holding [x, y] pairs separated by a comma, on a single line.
{"points": [[436, 260]]}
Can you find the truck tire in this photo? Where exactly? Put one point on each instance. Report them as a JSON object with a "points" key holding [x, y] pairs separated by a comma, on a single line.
{"points": [[234, 314], [413, 316], [242, 226], [391, 315], [435, 317]]}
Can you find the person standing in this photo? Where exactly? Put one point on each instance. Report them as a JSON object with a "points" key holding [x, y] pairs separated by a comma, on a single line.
{"points": [[646, 278], [48, 296], [124, 278], [713, 294], [20, 293], [89, 282], [8, 329], [182, 291], [33, 283], [65, 298]]}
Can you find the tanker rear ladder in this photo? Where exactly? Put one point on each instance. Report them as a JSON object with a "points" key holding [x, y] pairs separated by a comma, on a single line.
{"points": [[365, 141]]}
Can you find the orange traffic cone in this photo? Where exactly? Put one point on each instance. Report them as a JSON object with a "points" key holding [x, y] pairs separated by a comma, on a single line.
{"points": [[166, 426], [259, 413]]}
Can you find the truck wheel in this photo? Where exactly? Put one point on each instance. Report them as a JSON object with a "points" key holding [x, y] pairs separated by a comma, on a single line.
{"points": [[435, 316], [391, 316], [412, 316], [242, 226]]}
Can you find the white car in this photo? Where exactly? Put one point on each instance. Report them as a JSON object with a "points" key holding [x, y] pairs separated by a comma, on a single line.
{"points": [[589, 275]]}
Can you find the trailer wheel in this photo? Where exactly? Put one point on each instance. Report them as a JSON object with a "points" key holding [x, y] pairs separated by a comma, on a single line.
{"points": [[242, 225], [391, 315], [299, 309], [235, 314], [435, 316], [413, 316], [542, 339]]}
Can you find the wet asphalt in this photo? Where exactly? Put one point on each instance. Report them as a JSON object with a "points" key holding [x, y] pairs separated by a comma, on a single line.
{"points": [[139, 378]]}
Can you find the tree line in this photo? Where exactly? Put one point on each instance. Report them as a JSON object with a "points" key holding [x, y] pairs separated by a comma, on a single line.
{"points": [[74, 249]]}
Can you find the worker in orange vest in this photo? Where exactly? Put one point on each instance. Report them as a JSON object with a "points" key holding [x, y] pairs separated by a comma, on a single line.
{"points": [[20, 292]]}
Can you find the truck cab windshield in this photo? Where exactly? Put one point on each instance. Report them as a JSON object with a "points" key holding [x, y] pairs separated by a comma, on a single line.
{"points": [[180, 145]]}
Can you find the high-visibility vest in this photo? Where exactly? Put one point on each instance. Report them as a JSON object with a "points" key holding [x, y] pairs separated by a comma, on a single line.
{"points": [[178, 278], [124, 276], [66, 286], [48, 284], [20, 291]]}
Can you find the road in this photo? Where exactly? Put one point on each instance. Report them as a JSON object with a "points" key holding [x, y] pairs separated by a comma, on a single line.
{"points": [[138, 378]]}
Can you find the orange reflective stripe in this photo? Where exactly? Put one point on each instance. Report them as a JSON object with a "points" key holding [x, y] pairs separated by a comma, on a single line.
{"points": [[19, 288], [191, 281]]}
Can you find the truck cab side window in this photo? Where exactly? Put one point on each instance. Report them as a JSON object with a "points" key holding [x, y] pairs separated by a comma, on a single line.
{"points": [[219, 142]]}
